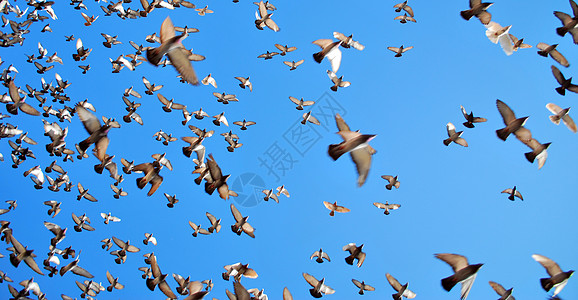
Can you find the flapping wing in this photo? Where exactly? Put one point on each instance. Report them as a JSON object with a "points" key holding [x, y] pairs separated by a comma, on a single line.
{"points": [[558, 75], [167, 30], [180, 60], [89, 120], [362, 159], [81, 272], [551, 267], [238, 216], [310, 279], [507, 114], [393, 282], [286, 294], [456, 261], [498, 288]]}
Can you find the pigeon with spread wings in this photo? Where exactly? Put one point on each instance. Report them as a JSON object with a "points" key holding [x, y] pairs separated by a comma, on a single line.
{"points": [[98, 133], [217, 181], [241, 224], [357, 145], [329, 50], [159, 279], [569, 24], [263, 18], [478, 9], [558, 279], [319, 287], [464, 273], [561, 114], [172, 46], [402, 290], [470, 119], [565, 84]]}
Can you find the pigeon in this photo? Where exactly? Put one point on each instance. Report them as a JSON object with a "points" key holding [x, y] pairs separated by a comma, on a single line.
{"points": [[319, 287], [386, 206], [569, 24], [464, 273], [98, 133], [403, 19], [403, 6], [399, 51], [478, 9], [239, 270], [159, 279], [565, 84], [402, 290], [329, 50], [355, 253], [284, 49], [300, 103], [499, 34], [546, 50], [357, 145], [454, 136], [172, 46], [263, 18], [209, 80], [558, 279], [320, 256], [244, 82], [470, 119], [241, 224], [114, 284], [362, 286], [561, 114], [392, 181], [293, 64], [333, 207], [513, 192]]}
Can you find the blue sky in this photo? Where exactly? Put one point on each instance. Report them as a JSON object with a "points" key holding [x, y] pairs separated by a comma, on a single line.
{"points": [[450, 196]]}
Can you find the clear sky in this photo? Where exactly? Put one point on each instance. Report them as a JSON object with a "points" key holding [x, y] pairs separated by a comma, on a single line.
{"points": [[450, 196]]}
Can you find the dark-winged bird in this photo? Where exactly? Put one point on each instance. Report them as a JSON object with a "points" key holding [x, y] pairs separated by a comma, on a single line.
{"points": [[464, 273]]}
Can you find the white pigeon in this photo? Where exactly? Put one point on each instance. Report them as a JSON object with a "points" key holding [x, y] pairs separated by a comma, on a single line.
{"points": [[496, 33]]}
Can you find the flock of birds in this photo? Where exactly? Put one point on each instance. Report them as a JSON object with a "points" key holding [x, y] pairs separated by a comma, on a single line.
{"points": [[169, 50]]}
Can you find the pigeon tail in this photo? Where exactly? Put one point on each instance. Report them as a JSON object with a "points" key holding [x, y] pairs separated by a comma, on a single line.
{"points": [[154, 56], [187, 151], [448, 283], [467, 14], [561, 91], [315, 293], [98, 168], [84, 145], [349, 260], [151, 284], [334, 151], [140, 183], [318, 57], [503, 133], [561, 31], [546, 284]]}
